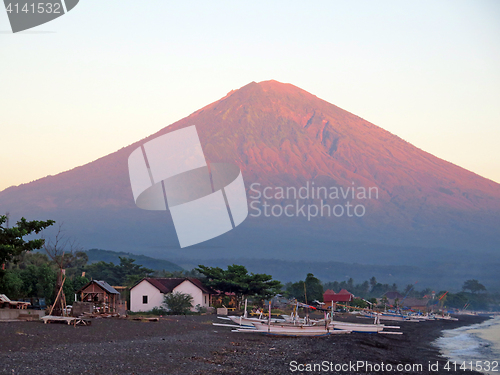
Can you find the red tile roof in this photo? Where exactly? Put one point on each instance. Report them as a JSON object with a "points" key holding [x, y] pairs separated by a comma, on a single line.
{"points": [[342, 296]]}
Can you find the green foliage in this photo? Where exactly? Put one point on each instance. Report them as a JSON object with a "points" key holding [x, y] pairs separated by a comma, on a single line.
{"points": [[69, 291], [172, 274], [366, 289], [11, 284], [384, 301], [473, 301], [159, 311], [202, 309], [96, 255], [474, 286], [126, 273], [79, 282], [12, 241], [74, 263], [178, 302], [237, 280], [357, 302], [310, 286], [29, 281]]}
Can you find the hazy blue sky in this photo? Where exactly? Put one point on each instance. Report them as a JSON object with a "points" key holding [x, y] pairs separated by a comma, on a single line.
{"points": [[113, 72]]}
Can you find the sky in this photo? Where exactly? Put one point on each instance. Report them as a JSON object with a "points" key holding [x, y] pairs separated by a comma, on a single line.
{"points": [[110, 73]]}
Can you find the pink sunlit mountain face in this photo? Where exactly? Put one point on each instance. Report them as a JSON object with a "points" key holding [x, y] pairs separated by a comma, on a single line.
{"points": [[282, 136]]}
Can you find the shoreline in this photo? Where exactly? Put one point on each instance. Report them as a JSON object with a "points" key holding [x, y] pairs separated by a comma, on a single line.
{"points": [[192, 345]]}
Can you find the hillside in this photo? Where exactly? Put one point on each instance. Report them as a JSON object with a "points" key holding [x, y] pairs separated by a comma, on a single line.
{"points": [[282, 136], [97, 255]]}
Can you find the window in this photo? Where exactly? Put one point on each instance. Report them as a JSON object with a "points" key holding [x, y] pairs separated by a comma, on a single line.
{"points": [[205, 300], [144, 299]]}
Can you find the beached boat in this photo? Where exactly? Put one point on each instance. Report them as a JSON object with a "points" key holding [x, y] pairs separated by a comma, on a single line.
{"points": [[282, 330], [355, 327], [241, 320]]}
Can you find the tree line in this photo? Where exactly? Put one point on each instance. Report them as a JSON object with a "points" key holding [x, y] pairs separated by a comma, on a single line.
{"points": [[473, 294], [26, 274]]}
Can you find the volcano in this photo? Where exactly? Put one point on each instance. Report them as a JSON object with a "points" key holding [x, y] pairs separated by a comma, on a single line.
{"points": [[284, 137]]}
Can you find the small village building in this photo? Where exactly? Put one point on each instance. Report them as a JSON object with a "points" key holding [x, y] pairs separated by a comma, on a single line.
{"points": [[6, 303], [415, 304], [392, 296], [342, 297], [103, 296], [150, 292]]}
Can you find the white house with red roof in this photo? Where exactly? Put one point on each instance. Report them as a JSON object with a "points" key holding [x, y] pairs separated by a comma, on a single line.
{"points": [[149, 292]]}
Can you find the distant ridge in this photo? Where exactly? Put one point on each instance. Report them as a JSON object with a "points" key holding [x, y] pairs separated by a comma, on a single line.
{"points": [[97, 255]]}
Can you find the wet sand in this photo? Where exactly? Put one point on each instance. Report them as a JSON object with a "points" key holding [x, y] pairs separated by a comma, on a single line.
{"points": [[192, 345]]}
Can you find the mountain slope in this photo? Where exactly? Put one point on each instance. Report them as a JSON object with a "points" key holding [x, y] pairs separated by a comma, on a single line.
{"points": [[282, 136]]}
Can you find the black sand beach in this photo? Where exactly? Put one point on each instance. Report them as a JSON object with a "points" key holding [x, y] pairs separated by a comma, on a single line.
{"points": [[191, 345]]}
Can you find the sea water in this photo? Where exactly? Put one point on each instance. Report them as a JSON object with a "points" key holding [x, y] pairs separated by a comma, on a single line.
{"points": [[477, 343]]}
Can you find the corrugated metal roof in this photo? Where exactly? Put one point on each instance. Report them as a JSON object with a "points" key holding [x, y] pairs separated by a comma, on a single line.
{"points": [[108, 288], [102, 284]]}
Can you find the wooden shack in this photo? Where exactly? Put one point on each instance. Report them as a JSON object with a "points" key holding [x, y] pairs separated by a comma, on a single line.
{"points": [[105, 298]]}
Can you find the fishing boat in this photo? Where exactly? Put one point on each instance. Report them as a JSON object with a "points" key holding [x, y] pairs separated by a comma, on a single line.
{"points": [[281, 330]]}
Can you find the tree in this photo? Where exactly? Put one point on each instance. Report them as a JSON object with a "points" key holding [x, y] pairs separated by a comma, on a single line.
{"points": [[12, 241], [237, 280], [363, 289], [474, 286], [57, 250], [384, 301], [311, 287], [126, 273], [358, 302], [178, 302]]}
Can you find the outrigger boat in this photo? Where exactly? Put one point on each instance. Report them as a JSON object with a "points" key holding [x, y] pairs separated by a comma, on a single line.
{"points": [[294, 331], [293, 325]]}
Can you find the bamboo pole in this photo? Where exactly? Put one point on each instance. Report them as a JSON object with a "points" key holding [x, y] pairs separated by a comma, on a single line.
{"points": [[269, 321], [57, 297]]}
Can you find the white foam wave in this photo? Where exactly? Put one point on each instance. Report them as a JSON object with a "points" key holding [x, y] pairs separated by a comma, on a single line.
{"points": [[463, 344]]}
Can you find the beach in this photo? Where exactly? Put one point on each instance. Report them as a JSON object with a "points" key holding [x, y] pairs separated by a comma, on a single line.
{"points": [[478, 343], [192, 345]]}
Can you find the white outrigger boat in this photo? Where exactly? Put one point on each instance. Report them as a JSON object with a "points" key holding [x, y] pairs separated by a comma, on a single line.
{"points": [[293, 325], [278, 330]]}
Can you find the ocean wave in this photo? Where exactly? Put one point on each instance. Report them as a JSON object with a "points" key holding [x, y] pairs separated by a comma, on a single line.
{"points": [[465, 344]]}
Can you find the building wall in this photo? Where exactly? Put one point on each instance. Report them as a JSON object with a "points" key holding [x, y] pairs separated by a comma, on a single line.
{"points": [[144, 288], [199, 298], [155, 297], [12, 314]]}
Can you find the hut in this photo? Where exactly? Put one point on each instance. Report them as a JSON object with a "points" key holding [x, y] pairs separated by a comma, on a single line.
{"points": [[103, 296], [343, 296]]}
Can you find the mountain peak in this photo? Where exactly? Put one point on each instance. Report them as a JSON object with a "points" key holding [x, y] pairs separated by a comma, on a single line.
{"points": [[283, 136]]}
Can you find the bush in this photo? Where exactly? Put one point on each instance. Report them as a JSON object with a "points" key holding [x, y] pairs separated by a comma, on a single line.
{"points": [[178, 302], [200, 309], [158, 311]]}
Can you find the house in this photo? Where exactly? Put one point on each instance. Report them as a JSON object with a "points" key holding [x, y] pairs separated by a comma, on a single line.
{"points": [[104, 297], [149, 292], [343, 296], [392, 296], [416, 304]]}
